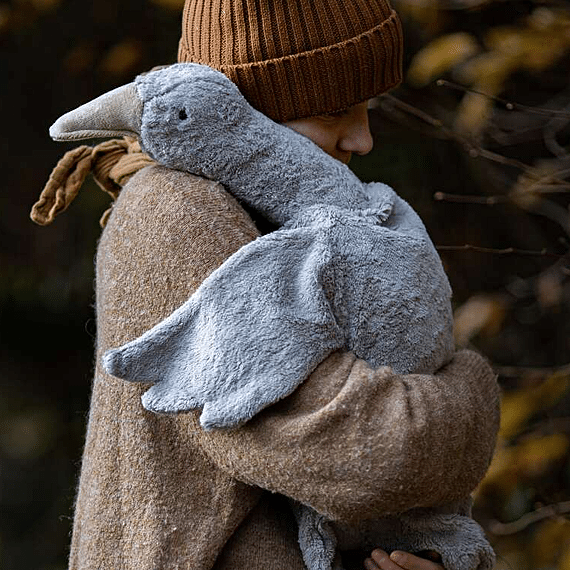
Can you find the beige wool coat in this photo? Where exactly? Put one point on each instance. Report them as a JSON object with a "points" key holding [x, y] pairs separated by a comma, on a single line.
{"points": [[156, 492]]}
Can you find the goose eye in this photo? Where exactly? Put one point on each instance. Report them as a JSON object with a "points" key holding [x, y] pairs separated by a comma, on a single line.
{"points": [[182, 114]]}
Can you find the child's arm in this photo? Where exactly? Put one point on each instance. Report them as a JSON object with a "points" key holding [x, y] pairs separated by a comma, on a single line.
{"points": [[263, 321], [159, 244], [167, 233]]}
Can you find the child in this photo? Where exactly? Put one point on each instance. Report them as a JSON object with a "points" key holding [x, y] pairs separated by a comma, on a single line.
{"points": [[350, 264], [317, 491]]}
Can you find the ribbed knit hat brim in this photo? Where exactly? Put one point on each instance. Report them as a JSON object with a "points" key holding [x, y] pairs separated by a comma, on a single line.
{"points": [[323, 80]]}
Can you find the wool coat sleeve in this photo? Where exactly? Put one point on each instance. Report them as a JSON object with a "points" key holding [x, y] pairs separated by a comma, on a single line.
{"points": [[352, 442]]}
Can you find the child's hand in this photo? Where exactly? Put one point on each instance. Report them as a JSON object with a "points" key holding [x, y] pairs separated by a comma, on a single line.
{"points": [[380, 560]]}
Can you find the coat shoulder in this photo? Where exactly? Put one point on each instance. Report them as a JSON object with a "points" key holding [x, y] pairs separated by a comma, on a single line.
{"points": [[167, 232]]}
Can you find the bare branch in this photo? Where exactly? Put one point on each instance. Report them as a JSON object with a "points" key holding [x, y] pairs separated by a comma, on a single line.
{"points": [[515, 371], [410, 109], [509, 105], [504, 251], [555, 179], [537, 178], [474, 150], [547, 208], [502, 529], [555, 188], [468, 199], [552, 144], [555, 213]]}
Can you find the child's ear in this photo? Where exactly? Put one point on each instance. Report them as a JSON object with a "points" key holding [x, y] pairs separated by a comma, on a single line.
{"points": [[113, 114]]}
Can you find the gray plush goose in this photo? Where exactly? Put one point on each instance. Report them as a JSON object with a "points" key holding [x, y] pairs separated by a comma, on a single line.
{"points": [[351, 267]]}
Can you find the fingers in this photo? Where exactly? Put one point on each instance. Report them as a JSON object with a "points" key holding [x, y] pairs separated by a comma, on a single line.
{"points": [[380, 560], [410, 562]]}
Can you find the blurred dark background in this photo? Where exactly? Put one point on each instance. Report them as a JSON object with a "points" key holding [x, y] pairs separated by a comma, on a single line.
{"points": [[500, 170], [54, 55]]}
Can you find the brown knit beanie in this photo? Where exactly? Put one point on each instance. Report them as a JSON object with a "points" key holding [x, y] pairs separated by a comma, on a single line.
{"points": [[297, 58]]}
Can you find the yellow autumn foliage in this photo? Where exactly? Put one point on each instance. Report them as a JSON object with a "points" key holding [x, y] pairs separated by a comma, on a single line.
{"points": [[474, 111], [532, 49], [534, 456], [424, 12], [534, 44], [491, 68], [122, 58], [440, 56], [519, 406], [550, 541], [530, 458], [480, 313], [513, 559], [564, 560], [526, 192], [512, 50]]}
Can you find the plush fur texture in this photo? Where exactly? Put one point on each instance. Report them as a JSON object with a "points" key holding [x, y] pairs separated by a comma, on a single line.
{"points": [[455, 536], [350, 268], [458, 539]]}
